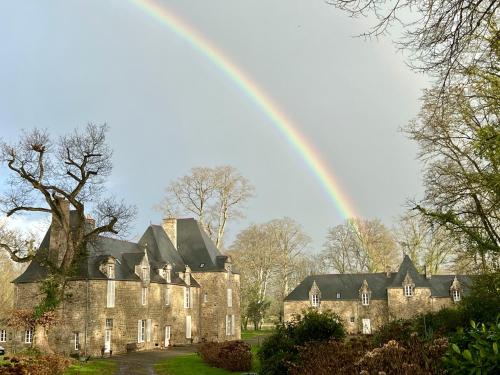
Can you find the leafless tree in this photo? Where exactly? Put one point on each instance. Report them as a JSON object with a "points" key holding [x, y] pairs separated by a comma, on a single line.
{"points": [[444, 37], [427, 245], [213, 195], [361, 246], [47, 171]]}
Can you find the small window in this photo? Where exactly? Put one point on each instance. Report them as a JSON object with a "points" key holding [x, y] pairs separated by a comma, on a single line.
{"points": [[28, 336], [408, 290], [3, 335], [167, 296], [111, 271], [456, 295], [365, 299], [168, 275], [144, 273], [338, 295], [187, 298], [77, 340], [352, 319], [109, 323], [315, 300], [144, 296], [202, 265], [205, 297]]}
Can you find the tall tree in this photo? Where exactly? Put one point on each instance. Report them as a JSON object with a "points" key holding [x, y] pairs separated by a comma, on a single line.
{"points": [[213, 195], [428, 245], [444, 37], [47, 171], [360, 246]]}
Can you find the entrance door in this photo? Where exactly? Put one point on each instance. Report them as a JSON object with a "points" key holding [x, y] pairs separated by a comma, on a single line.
{"points": [[167, 336], [107, 341], [367, 328]]}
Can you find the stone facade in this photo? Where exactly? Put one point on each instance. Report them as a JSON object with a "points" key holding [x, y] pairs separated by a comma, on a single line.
{"points": [[367, 301], [139, 296]]}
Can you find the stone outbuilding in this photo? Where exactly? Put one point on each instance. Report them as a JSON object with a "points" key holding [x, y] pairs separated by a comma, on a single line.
{"points": [[365, 301], [172, 287]]}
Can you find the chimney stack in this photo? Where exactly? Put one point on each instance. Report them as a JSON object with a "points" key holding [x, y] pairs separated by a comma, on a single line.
{"points": [[170, 227], [427, 273]]}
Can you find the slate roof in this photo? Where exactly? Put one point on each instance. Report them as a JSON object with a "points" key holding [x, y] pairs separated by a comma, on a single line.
{"points": [[348, 285], [194, 249]]}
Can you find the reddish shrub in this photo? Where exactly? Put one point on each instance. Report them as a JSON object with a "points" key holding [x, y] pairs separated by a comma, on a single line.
{"points": [[229, 355], [52, 364]]}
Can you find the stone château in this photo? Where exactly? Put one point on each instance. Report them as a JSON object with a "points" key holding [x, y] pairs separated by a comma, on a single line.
{"points": [[172, 287], [365, 301]]}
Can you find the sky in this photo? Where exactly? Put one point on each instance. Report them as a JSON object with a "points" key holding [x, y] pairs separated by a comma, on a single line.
{"points": [[66, 63]]}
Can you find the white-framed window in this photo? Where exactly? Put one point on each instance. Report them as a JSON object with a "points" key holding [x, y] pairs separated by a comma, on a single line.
{"points": [[168, 275], [229, 325], [168, 296], [365, 299], [28, 336], [408, 289], [187, 297], [188, 326], [205, 297], [338, 295], [144, 296], [144, 273], [3, 335], [315, 300], [109, 323], [141, 330], [148, 330], [456, 295], [229, 297], [111, 271], [110, 296], [77, 340]]}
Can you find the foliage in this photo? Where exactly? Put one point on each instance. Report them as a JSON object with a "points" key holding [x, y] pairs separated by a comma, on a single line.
{"points": [[229, 355], [330, 357], [475, 350], [482, 304], [399, 330], [92, 368], [256, 311], [52, 364], [439, 323], [282, 346]]}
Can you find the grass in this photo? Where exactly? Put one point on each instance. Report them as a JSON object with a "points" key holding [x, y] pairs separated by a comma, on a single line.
{"points": [[249, 334], [192, 364], [2, 361], [92, 368]]}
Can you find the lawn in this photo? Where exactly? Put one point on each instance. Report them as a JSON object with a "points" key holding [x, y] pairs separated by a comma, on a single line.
{"points": [[92, 368], [249, 334], [192, 364]]}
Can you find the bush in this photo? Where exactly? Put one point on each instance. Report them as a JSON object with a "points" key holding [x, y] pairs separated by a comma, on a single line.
{"points": [[440, 323], [229, 355], [475, 350], [281, 348], [398, 330], [52, 364], [483, 302], [332, 357]]}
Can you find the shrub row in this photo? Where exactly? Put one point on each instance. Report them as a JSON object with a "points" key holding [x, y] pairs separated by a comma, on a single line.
{"points": [[229, 355], [51, 364]]}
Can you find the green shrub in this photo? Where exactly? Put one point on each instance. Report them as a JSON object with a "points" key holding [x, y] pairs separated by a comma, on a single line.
{"points": [[399, 330], [482, 304], [229, 355], [281, 347], [475, 350], [440, 323]]}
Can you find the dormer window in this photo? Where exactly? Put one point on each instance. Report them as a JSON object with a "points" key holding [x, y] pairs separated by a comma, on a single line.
{"points": [[408, 290], [144, 273], [111, 271], [456, 295], [168, 273], [315, 300], [455, 290], [365, 299]]}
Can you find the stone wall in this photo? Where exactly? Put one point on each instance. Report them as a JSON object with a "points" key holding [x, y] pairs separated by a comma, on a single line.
{"points": [[402, 307]]}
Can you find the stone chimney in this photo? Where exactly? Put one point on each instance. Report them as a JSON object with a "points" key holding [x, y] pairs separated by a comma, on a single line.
{"points": [[58, 236], [170, 227], [427, 273], [388, 272]]}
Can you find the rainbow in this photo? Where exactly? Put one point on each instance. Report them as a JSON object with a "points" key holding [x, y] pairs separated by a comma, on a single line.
{"points": [[279, 120]]}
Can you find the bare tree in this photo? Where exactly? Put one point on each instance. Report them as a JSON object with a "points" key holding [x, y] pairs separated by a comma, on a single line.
{"points": [[444, 37], [360, 246], [213, 195], [426, 244], [45, 173]]}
